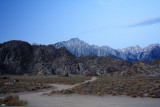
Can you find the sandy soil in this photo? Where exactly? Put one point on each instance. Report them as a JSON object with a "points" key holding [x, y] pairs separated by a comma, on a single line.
{"points": [[88, 101], [36, 99]]}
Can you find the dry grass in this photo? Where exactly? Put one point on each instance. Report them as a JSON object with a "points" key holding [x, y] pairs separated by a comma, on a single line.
{"points": [[12, 101], [129, 86], [32, 83]]}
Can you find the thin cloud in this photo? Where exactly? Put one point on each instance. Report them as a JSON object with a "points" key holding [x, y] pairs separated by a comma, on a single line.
{"points": [[145, 22], [113, 4]]}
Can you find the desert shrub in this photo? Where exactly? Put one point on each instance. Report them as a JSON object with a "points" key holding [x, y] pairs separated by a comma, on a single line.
{"points": [[144, 86], [12, 101], [99, 93], [153, 96], [133, 96], [67, 91]]}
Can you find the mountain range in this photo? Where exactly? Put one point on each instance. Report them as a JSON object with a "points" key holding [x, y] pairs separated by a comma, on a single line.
{"points": [[80, 48], [20, 57]]}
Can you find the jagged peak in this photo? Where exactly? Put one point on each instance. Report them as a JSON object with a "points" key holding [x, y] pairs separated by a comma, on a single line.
{"points": [[133, 47], [75, 39], [137, 46]]}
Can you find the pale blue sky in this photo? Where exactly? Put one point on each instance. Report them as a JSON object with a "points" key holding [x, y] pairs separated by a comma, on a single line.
{"points": [[115, 23]]}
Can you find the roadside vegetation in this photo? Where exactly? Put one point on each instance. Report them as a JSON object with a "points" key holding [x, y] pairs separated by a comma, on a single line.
{"points": [[32, 83]]}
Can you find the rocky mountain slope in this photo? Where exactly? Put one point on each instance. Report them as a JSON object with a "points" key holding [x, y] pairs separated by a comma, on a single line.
{"points": [[155, 62], [80, 48], [19, 57]]}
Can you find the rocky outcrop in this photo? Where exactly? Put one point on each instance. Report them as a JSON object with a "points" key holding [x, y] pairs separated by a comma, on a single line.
{"points": [[141, 68], [19, 57], [15, 56], [103, 65]]}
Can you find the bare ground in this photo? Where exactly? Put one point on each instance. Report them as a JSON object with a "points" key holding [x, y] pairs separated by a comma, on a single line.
{"points": [[88, 101]]}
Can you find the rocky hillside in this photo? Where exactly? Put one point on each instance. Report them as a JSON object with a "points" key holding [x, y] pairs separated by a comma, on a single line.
{"points": [[155, 62], [80, 48], [19, 57], [140, 67]]}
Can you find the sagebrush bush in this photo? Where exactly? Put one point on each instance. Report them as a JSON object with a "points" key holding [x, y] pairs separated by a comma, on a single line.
{"points": [[99, 93], [145, 86], [12, 101]]}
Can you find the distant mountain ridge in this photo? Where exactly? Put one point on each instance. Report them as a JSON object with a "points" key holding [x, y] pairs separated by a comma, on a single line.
{"points": [[80, 48]]}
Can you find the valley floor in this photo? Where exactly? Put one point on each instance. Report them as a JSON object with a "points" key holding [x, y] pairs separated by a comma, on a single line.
{"points": [[74, 100], [87, 101]]}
